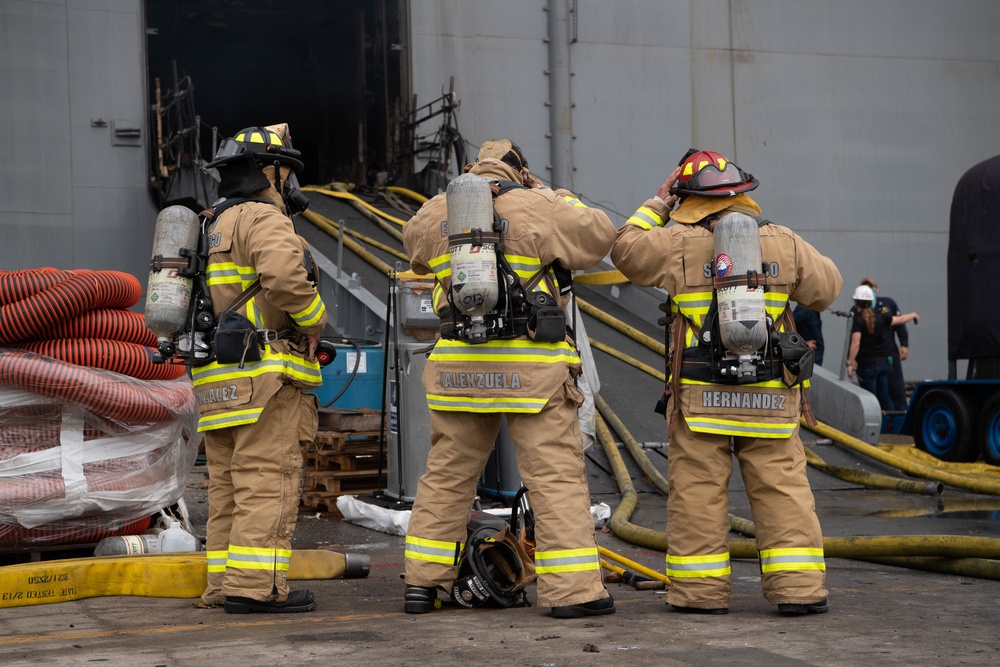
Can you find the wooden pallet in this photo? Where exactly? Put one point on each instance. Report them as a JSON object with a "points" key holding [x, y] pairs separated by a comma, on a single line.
{"points": [[345, 442], [321, 501], [341, 463], [341, 481], [339, 419]]}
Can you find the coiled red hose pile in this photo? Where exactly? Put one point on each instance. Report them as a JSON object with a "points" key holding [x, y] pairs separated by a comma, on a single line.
{"points": [[79, 317], [59, 332]]}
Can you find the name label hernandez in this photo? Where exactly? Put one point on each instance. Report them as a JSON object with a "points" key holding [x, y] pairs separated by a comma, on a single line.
{"points": [[742, 399]]}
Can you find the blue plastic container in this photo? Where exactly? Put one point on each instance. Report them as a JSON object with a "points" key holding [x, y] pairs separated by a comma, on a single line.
{"points": [[365, 390]]}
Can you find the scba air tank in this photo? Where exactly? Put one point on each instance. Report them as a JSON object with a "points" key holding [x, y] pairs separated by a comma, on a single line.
{"points": [[742, 318], [168, 293], [474, 287]]}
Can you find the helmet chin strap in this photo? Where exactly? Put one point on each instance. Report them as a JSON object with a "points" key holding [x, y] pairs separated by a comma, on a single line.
{"points": [[277, 177]]}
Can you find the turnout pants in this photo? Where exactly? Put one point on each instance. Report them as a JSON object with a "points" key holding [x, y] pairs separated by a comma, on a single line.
{"points": [[789, 539], [550, 460], [255, 484]]}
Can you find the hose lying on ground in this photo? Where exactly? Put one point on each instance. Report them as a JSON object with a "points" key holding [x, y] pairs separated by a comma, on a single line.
{"points": [[182, 575]]}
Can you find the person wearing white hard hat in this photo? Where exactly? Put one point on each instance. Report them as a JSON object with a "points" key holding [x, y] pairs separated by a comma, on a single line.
{"points": [[867, 356]]}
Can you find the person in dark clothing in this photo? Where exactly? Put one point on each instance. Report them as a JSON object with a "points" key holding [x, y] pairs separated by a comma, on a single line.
{"points": [[897, 386], [809, 324], [867, 355]]}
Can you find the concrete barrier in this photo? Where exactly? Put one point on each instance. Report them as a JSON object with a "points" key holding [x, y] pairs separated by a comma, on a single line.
{"points": [[845, 406]]}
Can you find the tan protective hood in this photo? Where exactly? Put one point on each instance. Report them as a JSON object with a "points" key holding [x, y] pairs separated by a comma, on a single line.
{"points": [[695, 207]]}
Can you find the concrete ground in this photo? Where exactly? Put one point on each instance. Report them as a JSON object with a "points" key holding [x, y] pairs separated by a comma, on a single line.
{"points": [[880, 615]]}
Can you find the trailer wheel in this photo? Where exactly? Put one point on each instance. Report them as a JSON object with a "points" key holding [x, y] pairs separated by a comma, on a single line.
{"points": [[989, 431], [945, 426]]}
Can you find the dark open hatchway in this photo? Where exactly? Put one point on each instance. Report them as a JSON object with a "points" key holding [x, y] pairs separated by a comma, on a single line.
{"points": [[334, 70]]}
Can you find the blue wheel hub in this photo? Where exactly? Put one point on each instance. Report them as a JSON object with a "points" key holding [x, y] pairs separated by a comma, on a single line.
{"points": [[991, 439], [939, 429]]}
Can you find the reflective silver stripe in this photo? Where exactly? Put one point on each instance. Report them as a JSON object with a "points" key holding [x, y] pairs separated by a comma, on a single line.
{"points": [[287, 364], [567, 560], [468, 404], [794, 558], [225, 419], [433, 551], [691, 567], [729, 428], [444, 348], [643, 220]]}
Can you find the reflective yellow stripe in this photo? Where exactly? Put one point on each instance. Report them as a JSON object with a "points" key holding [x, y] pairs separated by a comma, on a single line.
{"points": [[227, 273], [441, 266], [437, 295], [471, 404], [690, 567], [311, 315], [694, 305], [433, 551], [574, 202], [271, 362], [646, 218], [255, 558], [749, 429], [216, 560], [792, 559], [769, 384], [494, 351], [567, 560], [775, 304], [230, 418]]}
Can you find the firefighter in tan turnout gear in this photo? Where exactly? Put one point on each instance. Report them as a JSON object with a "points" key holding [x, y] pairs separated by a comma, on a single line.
{"points": [[254, 411], [471, 386], [722, 403]]}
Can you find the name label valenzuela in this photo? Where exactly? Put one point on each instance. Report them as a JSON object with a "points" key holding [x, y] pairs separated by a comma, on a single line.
{"points": [[451, 380]]}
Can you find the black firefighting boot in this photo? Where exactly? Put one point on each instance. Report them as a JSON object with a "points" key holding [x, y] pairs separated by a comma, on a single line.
{"points": [[592, 608], [698, 610], [420, 599], [297, 601], [789, 609]]}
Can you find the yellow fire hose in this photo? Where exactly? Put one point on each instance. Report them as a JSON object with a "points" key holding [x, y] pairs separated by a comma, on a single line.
{"points": [[341, 191], [334, 229], [634, 448], [365, 209], [631, 361], [873, 480], [328, 226], [655, 345], [150, 575], [415, 196], [974, 484]]}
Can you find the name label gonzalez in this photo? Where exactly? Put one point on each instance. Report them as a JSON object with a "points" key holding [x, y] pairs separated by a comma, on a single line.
{"points": [[480, 380], [218, 395], [742, 399]]}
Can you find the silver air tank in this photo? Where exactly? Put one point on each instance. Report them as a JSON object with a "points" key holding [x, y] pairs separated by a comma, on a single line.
{"points": [[742, 317], [168, 293], [474, 287]]}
